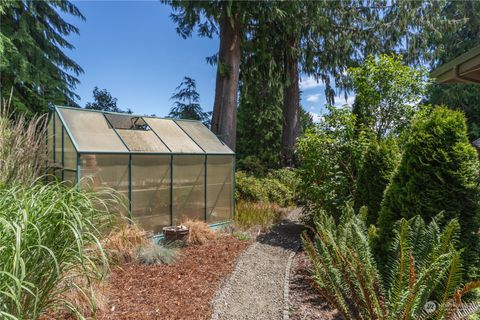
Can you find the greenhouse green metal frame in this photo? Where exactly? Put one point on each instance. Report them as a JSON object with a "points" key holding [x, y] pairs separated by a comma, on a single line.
{"points": [[167, 170]]}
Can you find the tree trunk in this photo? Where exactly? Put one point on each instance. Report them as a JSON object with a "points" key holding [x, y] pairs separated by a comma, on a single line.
{"points": [[224, 117], [291, 105]]}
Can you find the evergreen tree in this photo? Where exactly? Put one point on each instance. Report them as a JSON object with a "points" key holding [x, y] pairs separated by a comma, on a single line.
{"points": [[378, 164], [438, 173], [465, 97], [104, 102], [33, 62], [186, 105]]}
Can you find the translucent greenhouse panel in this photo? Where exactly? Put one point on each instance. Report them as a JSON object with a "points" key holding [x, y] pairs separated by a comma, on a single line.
{"points": [[142, 140], [203, 137], [173, 136], [151, 191], [69, 153], [50, 147], [219, 188], [188, 188], [103, 172], [91, 131], [58, 144], [70, 177]]}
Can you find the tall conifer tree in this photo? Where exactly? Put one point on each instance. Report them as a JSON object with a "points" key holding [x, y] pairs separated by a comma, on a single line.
{"points": [[33, 62]]}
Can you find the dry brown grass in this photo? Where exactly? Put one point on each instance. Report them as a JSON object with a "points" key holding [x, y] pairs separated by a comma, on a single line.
{"points": [[199, 232], [122, 243], [22, 146]]}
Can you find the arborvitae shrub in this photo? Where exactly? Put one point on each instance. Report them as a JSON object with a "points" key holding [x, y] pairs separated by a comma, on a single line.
{"points": [[379, 161], [438, 173]]}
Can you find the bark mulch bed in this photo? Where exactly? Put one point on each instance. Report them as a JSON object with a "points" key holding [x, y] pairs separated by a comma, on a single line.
{"points": [[305, 302], [183, 290]]}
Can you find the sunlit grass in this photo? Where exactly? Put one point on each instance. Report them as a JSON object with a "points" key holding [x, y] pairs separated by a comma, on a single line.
{"points": [[250, 214]]}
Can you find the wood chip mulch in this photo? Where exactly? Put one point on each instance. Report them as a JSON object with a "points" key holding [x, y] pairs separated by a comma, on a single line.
{"points": [[183, 290]]}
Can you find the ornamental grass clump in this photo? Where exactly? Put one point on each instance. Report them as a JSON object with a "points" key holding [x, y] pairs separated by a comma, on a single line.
{"points": [[22, 146], [424, 266], [48, 245]]}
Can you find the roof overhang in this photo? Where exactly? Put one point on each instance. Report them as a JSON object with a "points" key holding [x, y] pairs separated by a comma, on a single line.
{"points": [[463, 69]]}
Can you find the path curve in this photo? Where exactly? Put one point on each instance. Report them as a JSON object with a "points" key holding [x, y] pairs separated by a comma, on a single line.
{"points": [[258, 287]]}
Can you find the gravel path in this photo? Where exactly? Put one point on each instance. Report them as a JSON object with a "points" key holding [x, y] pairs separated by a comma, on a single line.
{"points": [[258, 287]]}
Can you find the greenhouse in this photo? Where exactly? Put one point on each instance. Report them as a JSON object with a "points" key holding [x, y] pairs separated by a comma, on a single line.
{"points": [[166, 170]]}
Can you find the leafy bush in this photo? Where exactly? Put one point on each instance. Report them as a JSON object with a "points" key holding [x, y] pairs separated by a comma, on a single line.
{"points": [[329, 154], [269, 189], [248, 214], [379, 161], [425, 265], [438, 173], [49, 237], [152, 253]]}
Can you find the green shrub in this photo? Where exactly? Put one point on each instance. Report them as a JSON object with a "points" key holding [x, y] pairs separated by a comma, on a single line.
{"points": [[379, 161], [277, 192], [48, 239], [425, 265], [329, 154], [249, 188], [269, 190], [438, 173]]}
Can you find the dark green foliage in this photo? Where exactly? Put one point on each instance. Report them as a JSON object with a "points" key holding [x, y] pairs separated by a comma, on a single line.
{"points": [[379, 161], [424, 265], [438, 173], [33, 37], [186, 105], [465, 97], [252, 165], [464, 37], [104, 101]]}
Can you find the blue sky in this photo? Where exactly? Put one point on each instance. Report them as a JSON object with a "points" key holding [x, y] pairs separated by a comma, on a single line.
{"points": [[131, 49]]}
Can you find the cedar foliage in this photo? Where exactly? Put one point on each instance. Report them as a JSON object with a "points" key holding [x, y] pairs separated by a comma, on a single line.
{"points": [[379, 161], [424, 265], [33, 38], [438, 173]]}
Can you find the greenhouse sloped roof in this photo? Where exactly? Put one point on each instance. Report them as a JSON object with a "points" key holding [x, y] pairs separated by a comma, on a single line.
{"points": [[94, 131]]}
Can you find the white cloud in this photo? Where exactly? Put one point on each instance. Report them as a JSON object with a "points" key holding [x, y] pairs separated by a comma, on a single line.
{"points": [[309, 83], [340, 100], [315, 116], [313, 97]]}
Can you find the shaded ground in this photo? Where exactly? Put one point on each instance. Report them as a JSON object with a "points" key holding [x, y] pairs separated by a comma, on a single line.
{"points": [[304, 302], [182, 290], [256, 288]]}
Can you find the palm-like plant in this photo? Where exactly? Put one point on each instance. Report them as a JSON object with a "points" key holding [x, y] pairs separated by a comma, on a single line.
{"points": [[424, 266]]}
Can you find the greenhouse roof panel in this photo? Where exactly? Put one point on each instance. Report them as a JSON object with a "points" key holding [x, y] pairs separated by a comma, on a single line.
{"points": [[90, 131], [94, 131], [173, 136], [206, 139]]}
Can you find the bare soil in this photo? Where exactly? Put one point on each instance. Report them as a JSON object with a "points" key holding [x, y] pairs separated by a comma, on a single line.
{"points": [[305, 302], [182, 290]]}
